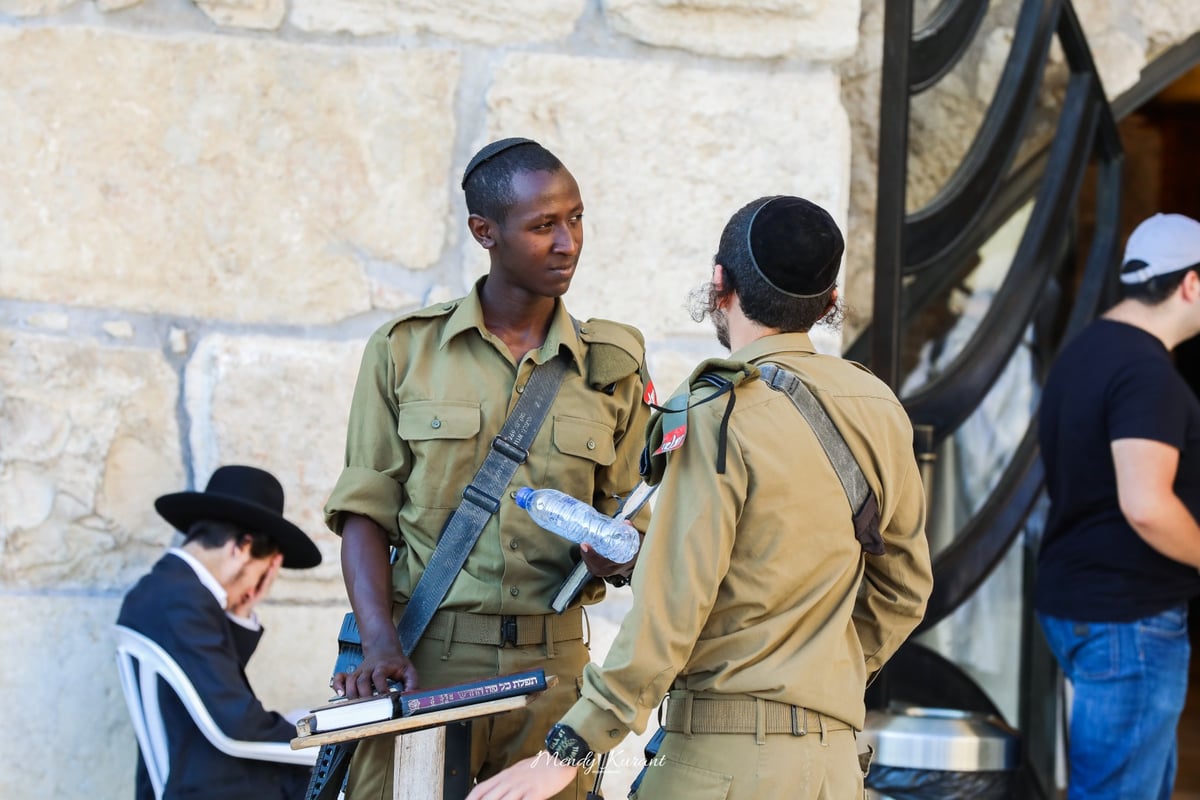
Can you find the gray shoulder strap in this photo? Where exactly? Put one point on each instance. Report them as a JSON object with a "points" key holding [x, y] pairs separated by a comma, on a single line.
{"points": [[863, 504]]}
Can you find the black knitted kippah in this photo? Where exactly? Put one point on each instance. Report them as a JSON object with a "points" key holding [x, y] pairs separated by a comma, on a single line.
{"points": [[795, 246], [490, 151]]}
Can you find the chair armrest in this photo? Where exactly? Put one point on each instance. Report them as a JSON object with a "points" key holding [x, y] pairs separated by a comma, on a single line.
{"points": [[272, 751]]}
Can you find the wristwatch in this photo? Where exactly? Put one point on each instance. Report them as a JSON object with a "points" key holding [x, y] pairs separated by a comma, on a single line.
{"points": [[568, 746]]}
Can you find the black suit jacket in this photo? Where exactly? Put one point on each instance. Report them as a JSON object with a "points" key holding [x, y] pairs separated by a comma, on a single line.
{"points": [[171, 606]]}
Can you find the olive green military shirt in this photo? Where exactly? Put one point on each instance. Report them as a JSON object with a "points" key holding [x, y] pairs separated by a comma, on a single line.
{"points": [[749, 582], [434, 389]]}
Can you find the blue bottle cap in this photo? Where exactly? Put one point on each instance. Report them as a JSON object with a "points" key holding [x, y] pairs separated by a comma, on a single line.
{"points": [[524, 496]]}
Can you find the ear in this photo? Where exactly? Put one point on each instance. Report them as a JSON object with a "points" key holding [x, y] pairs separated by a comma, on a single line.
{"points": [[483, 229], [718, 277], [833, 298], [719, 286], [1190, 286], [238, 549]]}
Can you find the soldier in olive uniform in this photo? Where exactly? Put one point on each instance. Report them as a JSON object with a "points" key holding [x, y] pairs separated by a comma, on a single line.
{"points": [[756, 608], [433, 391]]}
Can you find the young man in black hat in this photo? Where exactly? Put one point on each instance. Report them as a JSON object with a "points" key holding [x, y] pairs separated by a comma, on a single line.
{"points": [[757, 609], [1119, 430], [197, 603], [433, 393]]}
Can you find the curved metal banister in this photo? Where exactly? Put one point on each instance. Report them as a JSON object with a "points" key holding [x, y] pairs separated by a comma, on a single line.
{"points": [[950, 397], [965, 564], [932, 229], [920, 256], [927, 286], [982, 542], [938, 46]]}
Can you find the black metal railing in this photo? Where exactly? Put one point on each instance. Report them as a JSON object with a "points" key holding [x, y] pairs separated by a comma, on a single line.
{"points": [[921, 254]]}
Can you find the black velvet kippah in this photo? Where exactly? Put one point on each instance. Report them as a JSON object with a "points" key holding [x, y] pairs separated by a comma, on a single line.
{"points": [[795, 246], [490, 151]]}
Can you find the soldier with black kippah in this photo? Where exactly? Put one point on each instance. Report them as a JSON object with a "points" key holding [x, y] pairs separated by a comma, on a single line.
{"points": [[434, 391], [767, 593]]}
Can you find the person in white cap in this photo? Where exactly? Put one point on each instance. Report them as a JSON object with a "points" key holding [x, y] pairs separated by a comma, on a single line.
{"points": [[1119, 430]]}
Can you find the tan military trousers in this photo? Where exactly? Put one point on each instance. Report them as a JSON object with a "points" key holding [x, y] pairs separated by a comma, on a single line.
{"points": [[496, 741], [767, 760]]}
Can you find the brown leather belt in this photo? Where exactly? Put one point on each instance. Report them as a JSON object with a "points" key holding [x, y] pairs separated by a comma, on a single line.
{"points": [[499, 630], [691, 712]]}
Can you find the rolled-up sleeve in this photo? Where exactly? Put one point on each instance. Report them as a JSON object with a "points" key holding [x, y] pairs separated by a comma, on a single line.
{"points": [[377, 460]]}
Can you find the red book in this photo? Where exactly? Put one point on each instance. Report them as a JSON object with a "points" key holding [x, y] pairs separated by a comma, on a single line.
{"points": [[421, 701]]}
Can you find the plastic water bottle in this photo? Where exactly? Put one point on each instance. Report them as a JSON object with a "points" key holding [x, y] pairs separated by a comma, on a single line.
{"points": [[578, 522]]}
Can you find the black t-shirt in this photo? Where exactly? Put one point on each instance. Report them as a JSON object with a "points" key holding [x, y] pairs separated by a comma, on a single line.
{"points": [[1113, 381]]}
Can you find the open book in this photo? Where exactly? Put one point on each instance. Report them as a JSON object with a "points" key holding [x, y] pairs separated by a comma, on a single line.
{"points": [[364, 710]]}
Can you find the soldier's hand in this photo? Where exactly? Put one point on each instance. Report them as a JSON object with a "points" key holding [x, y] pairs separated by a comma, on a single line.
{"points": [[534, 778], [602, 567], [597, 564], [378, 666]]}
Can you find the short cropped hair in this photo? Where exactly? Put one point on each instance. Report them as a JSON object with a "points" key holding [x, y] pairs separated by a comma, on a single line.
{"points": [[212, 534], [1158, 289], [489, 190]]}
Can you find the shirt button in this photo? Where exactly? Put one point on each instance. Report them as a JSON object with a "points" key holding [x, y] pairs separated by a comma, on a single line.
{"points": [[521, 388], [437, 423], [591, 445], [613, 734], [514, 544], [514, 591]]}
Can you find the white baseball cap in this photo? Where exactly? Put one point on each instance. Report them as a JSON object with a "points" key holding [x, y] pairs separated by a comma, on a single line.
{"points": [[1162, 244]]}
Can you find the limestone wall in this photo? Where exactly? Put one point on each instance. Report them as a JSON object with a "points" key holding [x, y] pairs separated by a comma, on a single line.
{"points": [[206, 207]]}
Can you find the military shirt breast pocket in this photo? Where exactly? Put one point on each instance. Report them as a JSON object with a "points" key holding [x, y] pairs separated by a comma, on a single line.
{"points": [[585, 438], [442, 437]]}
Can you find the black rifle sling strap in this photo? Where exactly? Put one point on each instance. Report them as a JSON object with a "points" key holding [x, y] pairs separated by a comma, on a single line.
{"points": [[481, 498], [863, 504]]}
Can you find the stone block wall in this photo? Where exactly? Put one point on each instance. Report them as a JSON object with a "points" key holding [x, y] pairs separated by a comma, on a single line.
{"points": [[206, 207]]}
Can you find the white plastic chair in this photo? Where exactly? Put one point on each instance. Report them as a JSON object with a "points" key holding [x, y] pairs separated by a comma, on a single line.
{"points": [[140, 686]]}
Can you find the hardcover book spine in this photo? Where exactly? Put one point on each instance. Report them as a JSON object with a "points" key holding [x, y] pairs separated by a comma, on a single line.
{"points": [[478, 692], [304, 725]]}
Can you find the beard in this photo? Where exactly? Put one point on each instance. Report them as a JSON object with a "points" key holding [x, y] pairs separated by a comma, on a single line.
{"points": [[720, 321]]}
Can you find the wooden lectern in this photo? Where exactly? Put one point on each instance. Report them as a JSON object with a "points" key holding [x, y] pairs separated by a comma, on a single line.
{"points": [[420, 742]]}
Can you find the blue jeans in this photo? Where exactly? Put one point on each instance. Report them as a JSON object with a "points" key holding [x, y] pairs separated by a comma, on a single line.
{"points": [[1130, 681]]}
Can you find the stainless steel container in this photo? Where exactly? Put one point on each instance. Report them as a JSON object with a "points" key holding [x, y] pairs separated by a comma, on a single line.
{"points": [[940, 738], [933, 753]]}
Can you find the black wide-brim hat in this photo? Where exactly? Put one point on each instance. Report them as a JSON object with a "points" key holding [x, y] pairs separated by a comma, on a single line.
{"points": [[250, 498]]}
